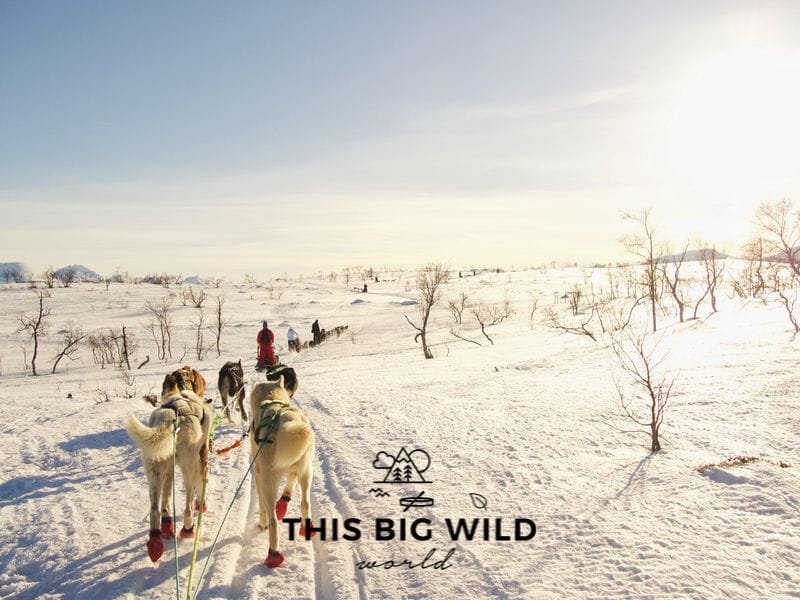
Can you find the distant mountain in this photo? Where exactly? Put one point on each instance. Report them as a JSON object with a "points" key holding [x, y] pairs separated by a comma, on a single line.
{"points": [[193, 280], [13, 272], [784, 257], [79, 273], [694, 255]]}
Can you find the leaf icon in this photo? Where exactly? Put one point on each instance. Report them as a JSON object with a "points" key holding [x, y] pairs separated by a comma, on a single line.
{"points": [[478, 501]]}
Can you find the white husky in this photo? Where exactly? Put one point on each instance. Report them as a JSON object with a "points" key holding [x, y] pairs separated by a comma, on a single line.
{"points": [[194, 417], [287, 448]]}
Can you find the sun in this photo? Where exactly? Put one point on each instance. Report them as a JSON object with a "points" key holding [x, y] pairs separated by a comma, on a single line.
{"points": [[736, 127]]}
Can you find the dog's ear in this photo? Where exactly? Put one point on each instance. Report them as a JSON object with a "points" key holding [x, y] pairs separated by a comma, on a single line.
{"points": [[281, 383]]}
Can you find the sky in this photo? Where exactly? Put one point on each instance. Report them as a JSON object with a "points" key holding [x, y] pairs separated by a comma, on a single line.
{"points": [[266, 138]]}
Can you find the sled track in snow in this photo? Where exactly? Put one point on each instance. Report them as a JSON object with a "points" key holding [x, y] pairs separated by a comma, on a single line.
{"points": [[325, 586]]}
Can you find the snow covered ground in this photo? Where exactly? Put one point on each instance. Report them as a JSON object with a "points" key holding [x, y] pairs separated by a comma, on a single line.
{"points": [[528, 423]]}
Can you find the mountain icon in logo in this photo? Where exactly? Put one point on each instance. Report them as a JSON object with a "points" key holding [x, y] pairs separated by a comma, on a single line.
{"points": [[405, 467]]}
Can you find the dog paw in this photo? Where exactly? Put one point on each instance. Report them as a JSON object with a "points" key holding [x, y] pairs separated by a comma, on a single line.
{"points": [[155, 547], [303, 529], [281, 506], [167, 528], [274, 559], [186, 533]]}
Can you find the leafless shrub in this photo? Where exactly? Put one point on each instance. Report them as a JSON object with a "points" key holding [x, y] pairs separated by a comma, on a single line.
{"points": [[35, 326], [160, 326], [128, 385], [575, 326], [457, 306], [429, 279], [195, 298], [69, 345], [49, 277], [248, 279], [574, 298], [346, 275], [200, 348], [67, 276], [489, 314], [215, 282], [332, 276], [102, 395], [220, 322], [111, 347], [637, 353]]}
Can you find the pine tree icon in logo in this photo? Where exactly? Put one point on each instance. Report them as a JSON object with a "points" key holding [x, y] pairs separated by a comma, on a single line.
{"points": [[405, 467]]}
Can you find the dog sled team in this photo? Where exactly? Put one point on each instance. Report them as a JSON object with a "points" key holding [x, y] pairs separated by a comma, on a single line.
{"points": [[179, 430]]}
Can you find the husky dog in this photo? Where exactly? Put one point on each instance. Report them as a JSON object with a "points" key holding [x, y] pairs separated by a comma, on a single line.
{"points": [[231, 388], [290, 384], [155, 440], [187, 378], [282, 443]]}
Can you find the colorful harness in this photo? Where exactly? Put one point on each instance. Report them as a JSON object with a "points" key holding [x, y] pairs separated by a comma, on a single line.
{"points": [[269, 422]]}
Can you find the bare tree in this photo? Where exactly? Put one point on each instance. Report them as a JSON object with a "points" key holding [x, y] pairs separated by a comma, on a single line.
{"points": [[200, 349], [644, 248], [49, 277], [715, 266], [160, 325], [752, 282], [574, 298], [639, 358], [490, 314], [579, 328], [69, 345], [780, 228], [457, 306], [428, 281], [347, 274], [67, 276], [36, 326], [671, 275], [197, 299], [219, 322]]}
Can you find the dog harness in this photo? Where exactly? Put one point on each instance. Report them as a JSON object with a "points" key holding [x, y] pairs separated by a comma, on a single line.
{"points": [[184, 408], [268, 422]]}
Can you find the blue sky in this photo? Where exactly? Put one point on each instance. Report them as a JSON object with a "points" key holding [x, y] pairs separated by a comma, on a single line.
{"points": [[260, 137]]}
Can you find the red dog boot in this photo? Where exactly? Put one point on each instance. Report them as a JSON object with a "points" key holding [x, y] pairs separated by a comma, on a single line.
{"points": [[167, 528], [281, 506], [186, 533], [197, 506], [303, 529], [274, 559], [155, 547]]}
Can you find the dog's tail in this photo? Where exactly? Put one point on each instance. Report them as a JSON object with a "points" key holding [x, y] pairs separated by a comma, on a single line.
{"points": [[156, 443]]}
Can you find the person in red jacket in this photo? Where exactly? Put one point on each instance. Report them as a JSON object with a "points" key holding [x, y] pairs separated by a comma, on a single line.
{"points": [[266, 354]]}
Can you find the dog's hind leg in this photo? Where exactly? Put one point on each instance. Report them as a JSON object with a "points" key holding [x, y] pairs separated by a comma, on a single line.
{"points": [[155, 473], [269, 489], [190, 479], [305, 499], [167, 526], [282, 504], [240, 397], [263, 521]]}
